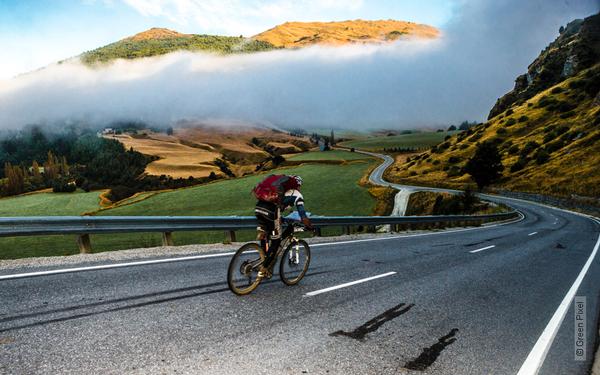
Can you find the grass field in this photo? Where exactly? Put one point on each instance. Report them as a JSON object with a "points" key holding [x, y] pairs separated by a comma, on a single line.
{"points": [[328, 189], [50, 204], [328, 155], [414, 140]]}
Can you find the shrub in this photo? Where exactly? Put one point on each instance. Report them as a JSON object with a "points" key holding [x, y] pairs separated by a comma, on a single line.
{"points": [[510, 122], [518, 165], [546, 101], [453, 159], [509, 112], [486, 165], [556, 145], [475, 137], [464, 146], [565, 106], [523, 118], [454, 171], [567, 114], [542, 156], [513, 150], [63, 186], [412, 173], [501, 131], [548, 137], [557, 90], [121, 192], [529, 147], [436, 162]]}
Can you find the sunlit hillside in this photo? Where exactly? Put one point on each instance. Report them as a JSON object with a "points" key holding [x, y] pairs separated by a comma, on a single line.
{"points": [[300, 34]]}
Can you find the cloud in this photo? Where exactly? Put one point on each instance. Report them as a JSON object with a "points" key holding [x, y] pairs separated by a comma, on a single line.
{"points": [[412, 83], [235, 16]]}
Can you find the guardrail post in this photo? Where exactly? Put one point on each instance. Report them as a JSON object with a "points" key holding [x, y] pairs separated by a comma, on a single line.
{"points": [[167, 239], [229, 236], [84, 243], [318, 232], [347, 229]]}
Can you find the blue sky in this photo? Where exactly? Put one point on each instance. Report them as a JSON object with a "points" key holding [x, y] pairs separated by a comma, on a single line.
{"points": [[36, 33]]}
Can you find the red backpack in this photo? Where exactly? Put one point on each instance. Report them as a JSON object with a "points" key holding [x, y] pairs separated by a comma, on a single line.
{"points": [[272, 188]]}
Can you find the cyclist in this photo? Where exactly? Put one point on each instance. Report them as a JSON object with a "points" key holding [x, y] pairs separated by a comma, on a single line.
{"points": [[275, 194]]}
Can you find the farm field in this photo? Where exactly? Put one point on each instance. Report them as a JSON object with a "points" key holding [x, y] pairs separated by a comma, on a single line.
{"points": [[50, 204], [329, 155], [175, 159], [343, 196], [414, 140]]}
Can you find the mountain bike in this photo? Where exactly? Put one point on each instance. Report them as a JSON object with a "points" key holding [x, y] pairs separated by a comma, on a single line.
{"points": [[243, 272]]}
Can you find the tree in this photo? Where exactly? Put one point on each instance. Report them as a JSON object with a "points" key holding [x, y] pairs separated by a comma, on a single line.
{"points": [[170, 130], [486, 165], [451, 128], [332, 139]]}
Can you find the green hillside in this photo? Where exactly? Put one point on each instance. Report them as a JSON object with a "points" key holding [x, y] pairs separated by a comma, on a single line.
{"points": [[329, 189], [50, 204], [403, 141], [158, 42]]}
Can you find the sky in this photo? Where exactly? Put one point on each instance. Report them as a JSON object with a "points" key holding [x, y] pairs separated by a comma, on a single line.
{"points": [[35, 33], [412, 83]]}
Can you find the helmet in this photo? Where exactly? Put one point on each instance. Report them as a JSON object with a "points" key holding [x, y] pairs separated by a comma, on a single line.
{"points": [[298, 180]]}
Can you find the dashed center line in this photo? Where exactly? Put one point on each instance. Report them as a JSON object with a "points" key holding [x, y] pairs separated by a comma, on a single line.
{"points": [[532, 233], [314, 293], [483, 248]]}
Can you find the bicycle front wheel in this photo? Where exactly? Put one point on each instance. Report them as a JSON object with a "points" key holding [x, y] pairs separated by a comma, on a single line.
{"points": [[242, 274], [294, 262]]}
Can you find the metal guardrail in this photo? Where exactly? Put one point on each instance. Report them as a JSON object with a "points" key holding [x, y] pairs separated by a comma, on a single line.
{"points": [[83, 226]]}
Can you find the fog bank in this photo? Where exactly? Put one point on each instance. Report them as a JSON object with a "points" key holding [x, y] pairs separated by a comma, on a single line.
{"points": [[412, 83]]}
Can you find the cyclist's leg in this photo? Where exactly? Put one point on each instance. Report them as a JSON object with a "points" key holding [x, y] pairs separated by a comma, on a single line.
{"points": [[275, 237]]}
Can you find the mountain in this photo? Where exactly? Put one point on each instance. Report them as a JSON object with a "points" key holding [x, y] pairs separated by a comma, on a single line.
{"points": [[547, 129], [576, 48], [159, 41], [301, 34]]}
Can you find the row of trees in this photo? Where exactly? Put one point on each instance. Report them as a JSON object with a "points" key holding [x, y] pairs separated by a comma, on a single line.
{"points": [[53, 173]]}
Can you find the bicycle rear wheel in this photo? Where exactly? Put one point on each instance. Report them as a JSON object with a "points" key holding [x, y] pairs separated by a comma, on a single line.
{"points": [[242, 274], [294, 262]]}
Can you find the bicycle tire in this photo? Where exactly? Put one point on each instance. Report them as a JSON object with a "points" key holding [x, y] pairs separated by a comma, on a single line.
{"points": [[234, 267], [283, 263]]}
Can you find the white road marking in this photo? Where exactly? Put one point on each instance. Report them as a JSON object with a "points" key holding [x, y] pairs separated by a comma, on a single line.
{"points": [[196, 257], [483, 248], [108, 266], [532, 233], [536, 357], [314, 293]]}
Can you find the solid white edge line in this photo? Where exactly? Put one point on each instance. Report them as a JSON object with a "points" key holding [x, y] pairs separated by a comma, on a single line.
{"points": [[108, 266], [532, 233], [196, 257], [483, 248], [320, 291], [536, 357]]}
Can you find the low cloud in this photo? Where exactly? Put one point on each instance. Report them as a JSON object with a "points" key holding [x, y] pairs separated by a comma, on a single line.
{"points": [[412, 83]]}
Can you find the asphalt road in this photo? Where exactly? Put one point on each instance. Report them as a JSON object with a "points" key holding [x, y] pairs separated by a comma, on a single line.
{"points": [[440, 303]]}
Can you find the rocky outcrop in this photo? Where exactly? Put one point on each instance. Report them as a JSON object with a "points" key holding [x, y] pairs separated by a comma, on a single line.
{"points": [[576, 48]]}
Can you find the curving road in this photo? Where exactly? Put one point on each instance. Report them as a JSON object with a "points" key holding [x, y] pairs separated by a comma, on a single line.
{"points": [[496, 299]]}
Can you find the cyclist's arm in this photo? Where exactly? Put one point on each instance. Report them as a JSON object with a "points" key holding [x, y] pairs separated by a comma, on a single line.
{"points": [[297, 201]]}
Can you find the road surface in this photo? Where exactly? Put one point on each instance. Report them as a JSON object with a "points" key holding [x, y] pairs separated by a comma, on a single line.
{"points": [[479, 301]]}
